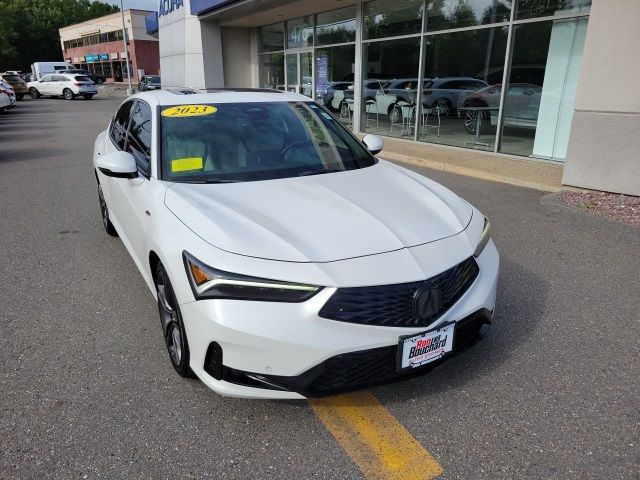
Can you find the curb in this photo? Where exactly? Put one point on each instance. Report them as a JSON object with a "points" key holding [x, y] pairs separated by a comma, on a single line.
{"points": [[471, 172]]}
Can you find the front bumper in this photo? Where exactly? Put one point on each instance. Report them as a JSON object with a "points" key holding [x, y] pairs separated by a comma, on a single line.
{"points": [[285, 350]]}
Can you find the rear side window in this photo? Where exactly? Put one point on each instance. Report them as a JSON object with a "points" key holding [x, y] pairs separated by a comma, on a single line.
{"points": [[120, 124], [82, 78], [139, 143]]}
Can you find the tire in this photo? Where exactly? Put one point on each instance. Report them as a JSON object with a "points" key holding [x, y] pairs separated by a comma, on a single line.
{"points": [[68, 94], [34, 93], [104, 212], [175, 336], [20, 96], [88, 97], [443, 105], [99, 81], [470, 121]]}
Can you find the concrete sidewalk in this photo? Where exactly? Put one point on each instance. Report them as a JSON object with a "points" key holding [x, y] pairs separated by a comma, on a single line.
{"points": [[541, 175]]}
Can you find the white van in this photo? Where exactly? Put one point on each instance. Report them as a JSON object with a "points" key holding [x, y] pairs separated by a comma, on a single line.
{"points": [[40, 69]]}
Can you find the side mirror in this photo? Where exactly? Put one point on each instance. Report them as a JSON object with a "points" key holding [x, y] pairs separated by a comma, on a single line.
{"points": [[374, 143], [118, 165]]}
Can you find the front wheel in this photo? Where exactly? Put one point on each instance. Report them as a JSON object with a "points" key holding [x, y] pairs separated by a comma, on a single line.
{"points": [[172, 325], [99, 81], [68, 94], [34, 93], [20, 96]]}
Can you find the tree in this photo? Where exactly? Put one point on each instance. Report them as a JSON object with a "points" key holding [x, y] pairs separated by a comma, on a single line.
{"points": [[29, 28]]}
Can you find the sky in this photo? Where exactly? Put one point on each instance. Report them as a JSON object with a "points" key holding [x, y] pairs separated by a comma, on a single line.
{"points": [[140, 4]]}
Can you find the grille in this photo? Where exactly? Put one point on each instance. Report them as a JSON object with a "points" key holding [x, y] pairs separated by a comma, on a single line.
{"points": [[369, 367], [393, 305]]}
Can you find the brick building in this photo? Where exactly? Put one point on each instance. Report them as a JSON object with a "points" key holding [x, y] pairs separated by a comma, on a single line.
{"points": [[97, 45]]}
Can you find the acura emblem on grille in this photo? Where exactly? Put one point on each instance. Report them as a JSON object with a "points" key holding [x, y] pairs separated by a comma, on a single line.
{"points": [[426, 301]]}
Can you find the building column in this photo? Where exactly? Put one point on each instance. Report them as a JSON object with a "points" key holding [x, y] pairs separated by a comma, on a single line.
{"points": [[603, 146], [190, 50]]}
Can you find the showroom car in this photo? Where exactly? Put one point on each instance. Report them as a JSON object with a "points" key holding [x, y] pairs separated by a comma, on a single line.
{"points": [[64, 85], [287, 260], [521, 106]]}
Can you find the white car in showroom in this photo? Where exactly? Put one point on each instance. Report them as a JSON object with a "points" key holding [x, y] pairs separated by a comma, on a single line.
{"points": [[286, 259], [67, 85]]}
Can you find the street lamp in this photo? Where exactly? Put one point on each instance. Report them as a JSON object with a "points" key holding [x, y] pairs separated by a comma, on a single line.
{"points": [[126, 51]]}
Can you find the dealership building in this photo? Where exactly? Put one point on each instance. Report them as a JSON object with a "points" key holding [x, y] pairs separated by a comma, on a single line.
{"points": [[570, 68], [97, 45]]}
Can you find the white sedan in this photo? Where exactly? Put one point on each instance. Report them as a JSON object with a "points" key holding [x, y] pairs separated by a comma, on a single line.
{"points": [[286, 259], [67, 85]]}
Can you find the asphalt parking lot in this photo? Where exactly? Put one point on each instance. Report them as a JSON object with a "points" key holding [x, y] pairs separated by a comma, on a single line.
{"points": [[87, 389]]}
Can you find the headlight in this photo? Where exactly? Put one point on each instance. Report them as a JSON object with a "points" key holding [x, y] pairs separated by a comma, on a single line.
{"points": [[484, 239], [208, 282]]}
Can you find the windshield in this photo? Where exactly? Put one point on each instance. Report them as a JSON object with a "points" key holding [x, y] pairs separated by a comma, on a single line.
{"points": [[81, 78], [153, 79], [240, 142]]}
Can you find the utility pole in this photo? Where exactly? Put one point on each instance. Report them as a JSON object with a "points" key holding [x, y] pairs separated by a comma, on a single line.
{"points": [[126, 50]]}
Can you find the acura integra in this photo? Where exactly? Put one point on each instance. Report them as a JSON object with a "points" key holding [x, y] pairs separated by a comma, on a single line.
{"points": [[286, 259]]}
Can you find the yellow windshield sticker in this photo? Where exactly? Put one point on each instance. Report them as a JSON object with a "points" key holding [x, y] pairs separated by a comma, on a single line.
{"points": [[188, 111], [187, 164]]}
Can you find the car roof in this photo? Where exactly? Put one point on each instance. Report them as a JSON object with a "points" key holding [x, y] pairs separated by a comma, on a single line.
{"points": [[188, 96]]}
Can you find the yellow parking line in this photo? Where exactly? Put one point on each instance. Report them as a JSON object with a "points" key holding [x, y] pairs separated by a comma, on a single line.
{"points": [[381, 447]]}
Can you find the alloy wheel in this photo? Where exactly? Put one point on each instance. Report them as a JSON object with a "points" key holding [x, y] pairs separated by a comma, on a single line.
{"points": [[172, 326]]}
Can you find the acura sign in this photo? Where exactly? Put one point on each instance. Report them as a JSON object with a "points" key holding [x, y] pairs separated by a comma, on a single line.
{"points": [[168, 6]]}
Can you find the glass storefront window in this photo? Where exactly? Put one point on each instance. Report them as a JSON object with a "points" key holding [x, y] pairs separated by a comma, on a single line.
{"points": [[272, 71], [388, 18], [337, 26], [544, 8], [539, 101], [300, 32], [458, 107], [445, 14], [272, 37], [389, 86], [334, 75]]}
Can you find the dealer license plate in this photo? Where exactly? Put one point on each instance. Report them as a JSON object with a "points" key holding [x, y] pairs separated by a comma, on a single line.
{"points": [[423, 348]]}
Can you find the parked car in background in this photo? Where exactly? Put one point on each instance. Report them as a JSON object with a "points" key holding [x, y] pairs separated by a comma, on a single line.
{"points": [[150, 82], [95, 78], [5, 101], [7, 91], [40, 69], [521, 105], [19, 85], [67, 85], [444, 93]]}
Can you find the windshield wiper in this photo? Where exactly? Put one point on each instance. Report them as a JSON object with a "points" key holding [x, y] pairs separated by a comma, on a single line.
{"points": [[209, 181], [319, 172]]}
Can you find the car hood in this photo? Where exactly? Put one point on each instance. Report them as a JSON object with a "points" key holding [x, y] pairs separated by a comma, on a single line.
{"points": [[321, 218]]}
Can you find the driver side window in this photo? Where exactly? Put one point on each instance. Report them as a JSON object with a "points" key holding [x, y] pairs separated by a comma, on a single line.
{"points": [[120, 125]]}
